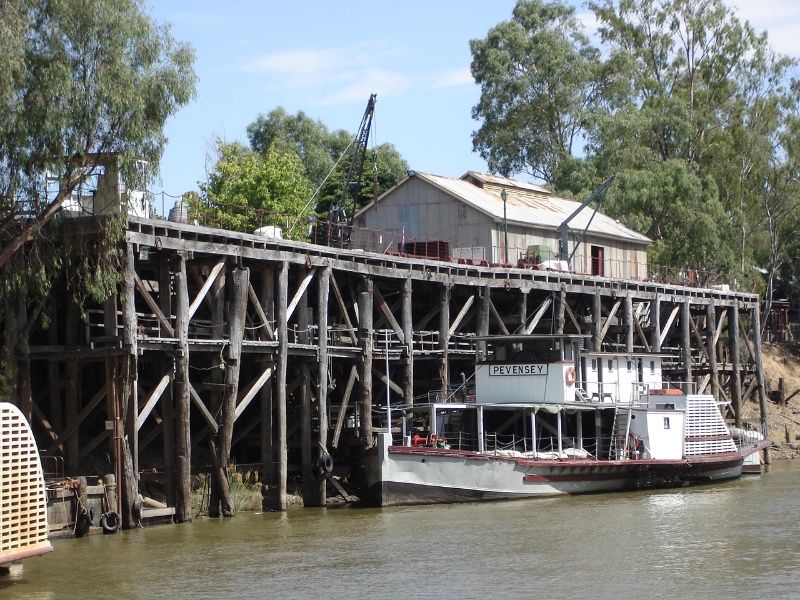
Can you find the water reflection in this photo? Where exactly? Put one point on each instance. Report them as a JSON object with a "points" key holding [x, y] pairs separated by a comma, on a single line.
{"points": [[725, 541]]}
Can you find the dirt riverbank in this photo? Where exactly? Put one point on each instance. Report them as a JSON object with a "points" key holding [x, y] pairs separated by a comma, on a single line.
{"points": [[780, 361]]}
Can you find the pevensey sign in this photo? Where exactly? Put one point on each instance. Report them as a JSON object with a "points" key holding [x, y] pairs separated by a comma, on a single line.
{"points": [[518, 369]]}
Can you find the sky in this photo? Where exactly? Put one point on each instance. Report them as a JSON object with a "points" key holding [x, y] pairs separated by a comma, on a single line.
{"points": [[326, 57]]}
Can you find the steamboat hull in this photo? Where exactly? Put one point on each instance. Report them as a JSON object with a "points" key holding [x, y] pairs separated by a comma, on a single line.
{"points": [[400, 475]]}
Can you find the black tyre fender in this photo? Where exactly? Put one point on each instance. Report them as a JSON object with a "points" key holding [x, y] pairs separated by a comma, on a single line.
{"points": [[90, 515], [325, 463], [110, 522]]}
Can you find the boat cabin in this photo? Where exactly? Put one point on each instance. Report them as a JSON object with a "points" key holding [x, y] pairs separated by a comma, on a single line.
{"points": [[547, 397]]}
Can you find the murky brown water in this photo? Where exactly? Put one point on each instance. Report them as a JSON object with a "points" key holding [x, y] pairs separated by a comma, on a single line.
{"points": [[736, 540]]}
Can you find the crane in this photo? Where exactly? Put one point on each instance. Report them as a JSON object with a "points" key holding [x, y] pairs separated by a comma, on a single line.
{"points": [[564, 228], [340, 215]]}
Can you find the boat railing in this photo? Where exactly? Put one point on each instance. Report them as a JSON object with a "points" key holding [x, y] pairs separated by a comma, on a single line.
{"points": [[749, 436], [460, 394], [642, 392], [546, 447]]}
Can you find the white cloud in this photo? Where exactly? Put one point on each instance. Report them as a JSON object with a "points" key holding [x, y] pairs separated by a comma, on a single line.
{"points": [[455, 78], [780, 18], [331, 76], [303, 62], [366, 82]]}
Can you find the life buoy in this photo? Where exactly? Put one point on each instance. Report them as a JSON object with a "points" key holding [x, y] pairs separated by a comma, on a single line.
{"points": [[569, 376], [633, 442], [110, 522]]}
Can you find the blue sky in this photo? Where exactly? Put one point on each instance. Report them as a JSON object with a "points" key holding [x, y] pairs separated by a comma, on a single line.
{"points": [[326, 57]]}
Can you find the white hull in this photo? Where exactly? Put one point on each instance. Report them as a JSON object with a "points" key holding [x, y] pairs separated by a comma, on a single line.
{"points": [[405, 475]]}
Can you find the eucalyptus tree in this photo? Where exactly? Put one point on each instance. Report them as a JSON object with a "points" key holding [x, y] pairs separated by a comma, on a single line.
{"points": [[87, 77], [540, 78], [689, 107], [693, 83]]}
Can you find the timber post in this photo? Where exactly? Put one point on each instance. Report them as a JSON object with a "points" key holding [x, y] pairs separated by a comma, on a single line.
{"points": [[310, 489], [128, 398], [167, 365], [408, 334], [686, 345], [597, 322], [217, 394], [736, 378], [266, 437], [444, 337], [655, 321], [236, 317], [629, 326], [183, 444], [365, 320], [711, 347], [283, 347], [561, 305], [323, 294], [762, 389]]}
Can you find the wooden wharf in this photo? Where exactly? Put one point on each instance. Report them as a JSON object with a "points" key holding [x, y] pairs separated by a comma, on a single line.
{"points": [[225, 347]]}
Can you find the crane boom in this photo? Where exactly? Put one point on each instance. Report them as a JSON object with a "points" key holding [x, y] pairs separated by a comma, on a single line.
{"points": [[564, 228], [340, 216]]}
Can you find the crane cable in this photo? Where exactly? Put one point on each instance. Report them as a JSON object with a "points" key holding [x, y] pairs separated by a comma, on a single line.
{"points": [[314, 195]]}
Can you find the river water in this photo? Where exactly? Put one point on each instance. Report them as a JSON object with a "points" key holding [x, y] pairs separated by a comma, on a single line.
{"points": [[735, 540]]}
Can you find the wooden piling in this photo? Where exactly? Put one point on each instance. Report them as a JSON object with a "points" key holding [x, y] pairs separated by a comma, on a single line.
{"points": [[762, 388], [444, 337], [736, 376], [711, 348], [128, 396], [365, 332], [283, 346], [183, 448], [655, 322], [686, 343], [323, 293]]}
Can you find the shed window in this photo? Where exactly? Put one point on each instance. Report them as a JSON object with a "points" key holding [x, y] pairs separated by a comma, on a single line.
{"points": [[610, 364], [594, 364], [666, 422], [652, 367]]}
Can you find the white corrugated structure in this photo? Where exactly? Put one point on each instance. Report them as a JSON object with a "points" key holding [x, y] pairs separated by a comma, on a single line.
{"points": [[23, 497], [467, 216]]}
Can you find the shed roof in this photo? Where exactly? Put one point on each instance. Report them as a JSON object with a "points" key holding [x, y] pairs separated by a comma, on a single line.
{"points": [[527, 204]]}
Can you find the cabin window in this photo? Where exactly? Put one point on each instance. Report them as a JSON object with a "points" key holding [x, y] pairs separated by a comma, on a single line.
{"points": [[666, 422], [652, 367], [594, 364], [629, 366], [610, 365]]}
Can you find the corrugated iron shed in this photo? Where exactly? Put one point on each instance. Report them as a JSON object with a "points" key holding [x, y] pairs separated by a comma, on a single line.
{"points": [[527, 204]]}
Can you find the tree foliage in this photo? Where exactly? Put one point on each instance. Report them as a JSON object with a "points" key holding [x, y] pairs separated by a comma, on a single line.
{"points": [[246, 190], [688, 106], [80, 80], [539, 80], [84, 77], [325, 156]]}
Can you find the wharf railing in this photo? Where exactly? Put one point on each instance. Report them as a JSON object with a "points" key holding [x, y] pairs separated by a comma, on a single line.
{"points": [[396, 242]]}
